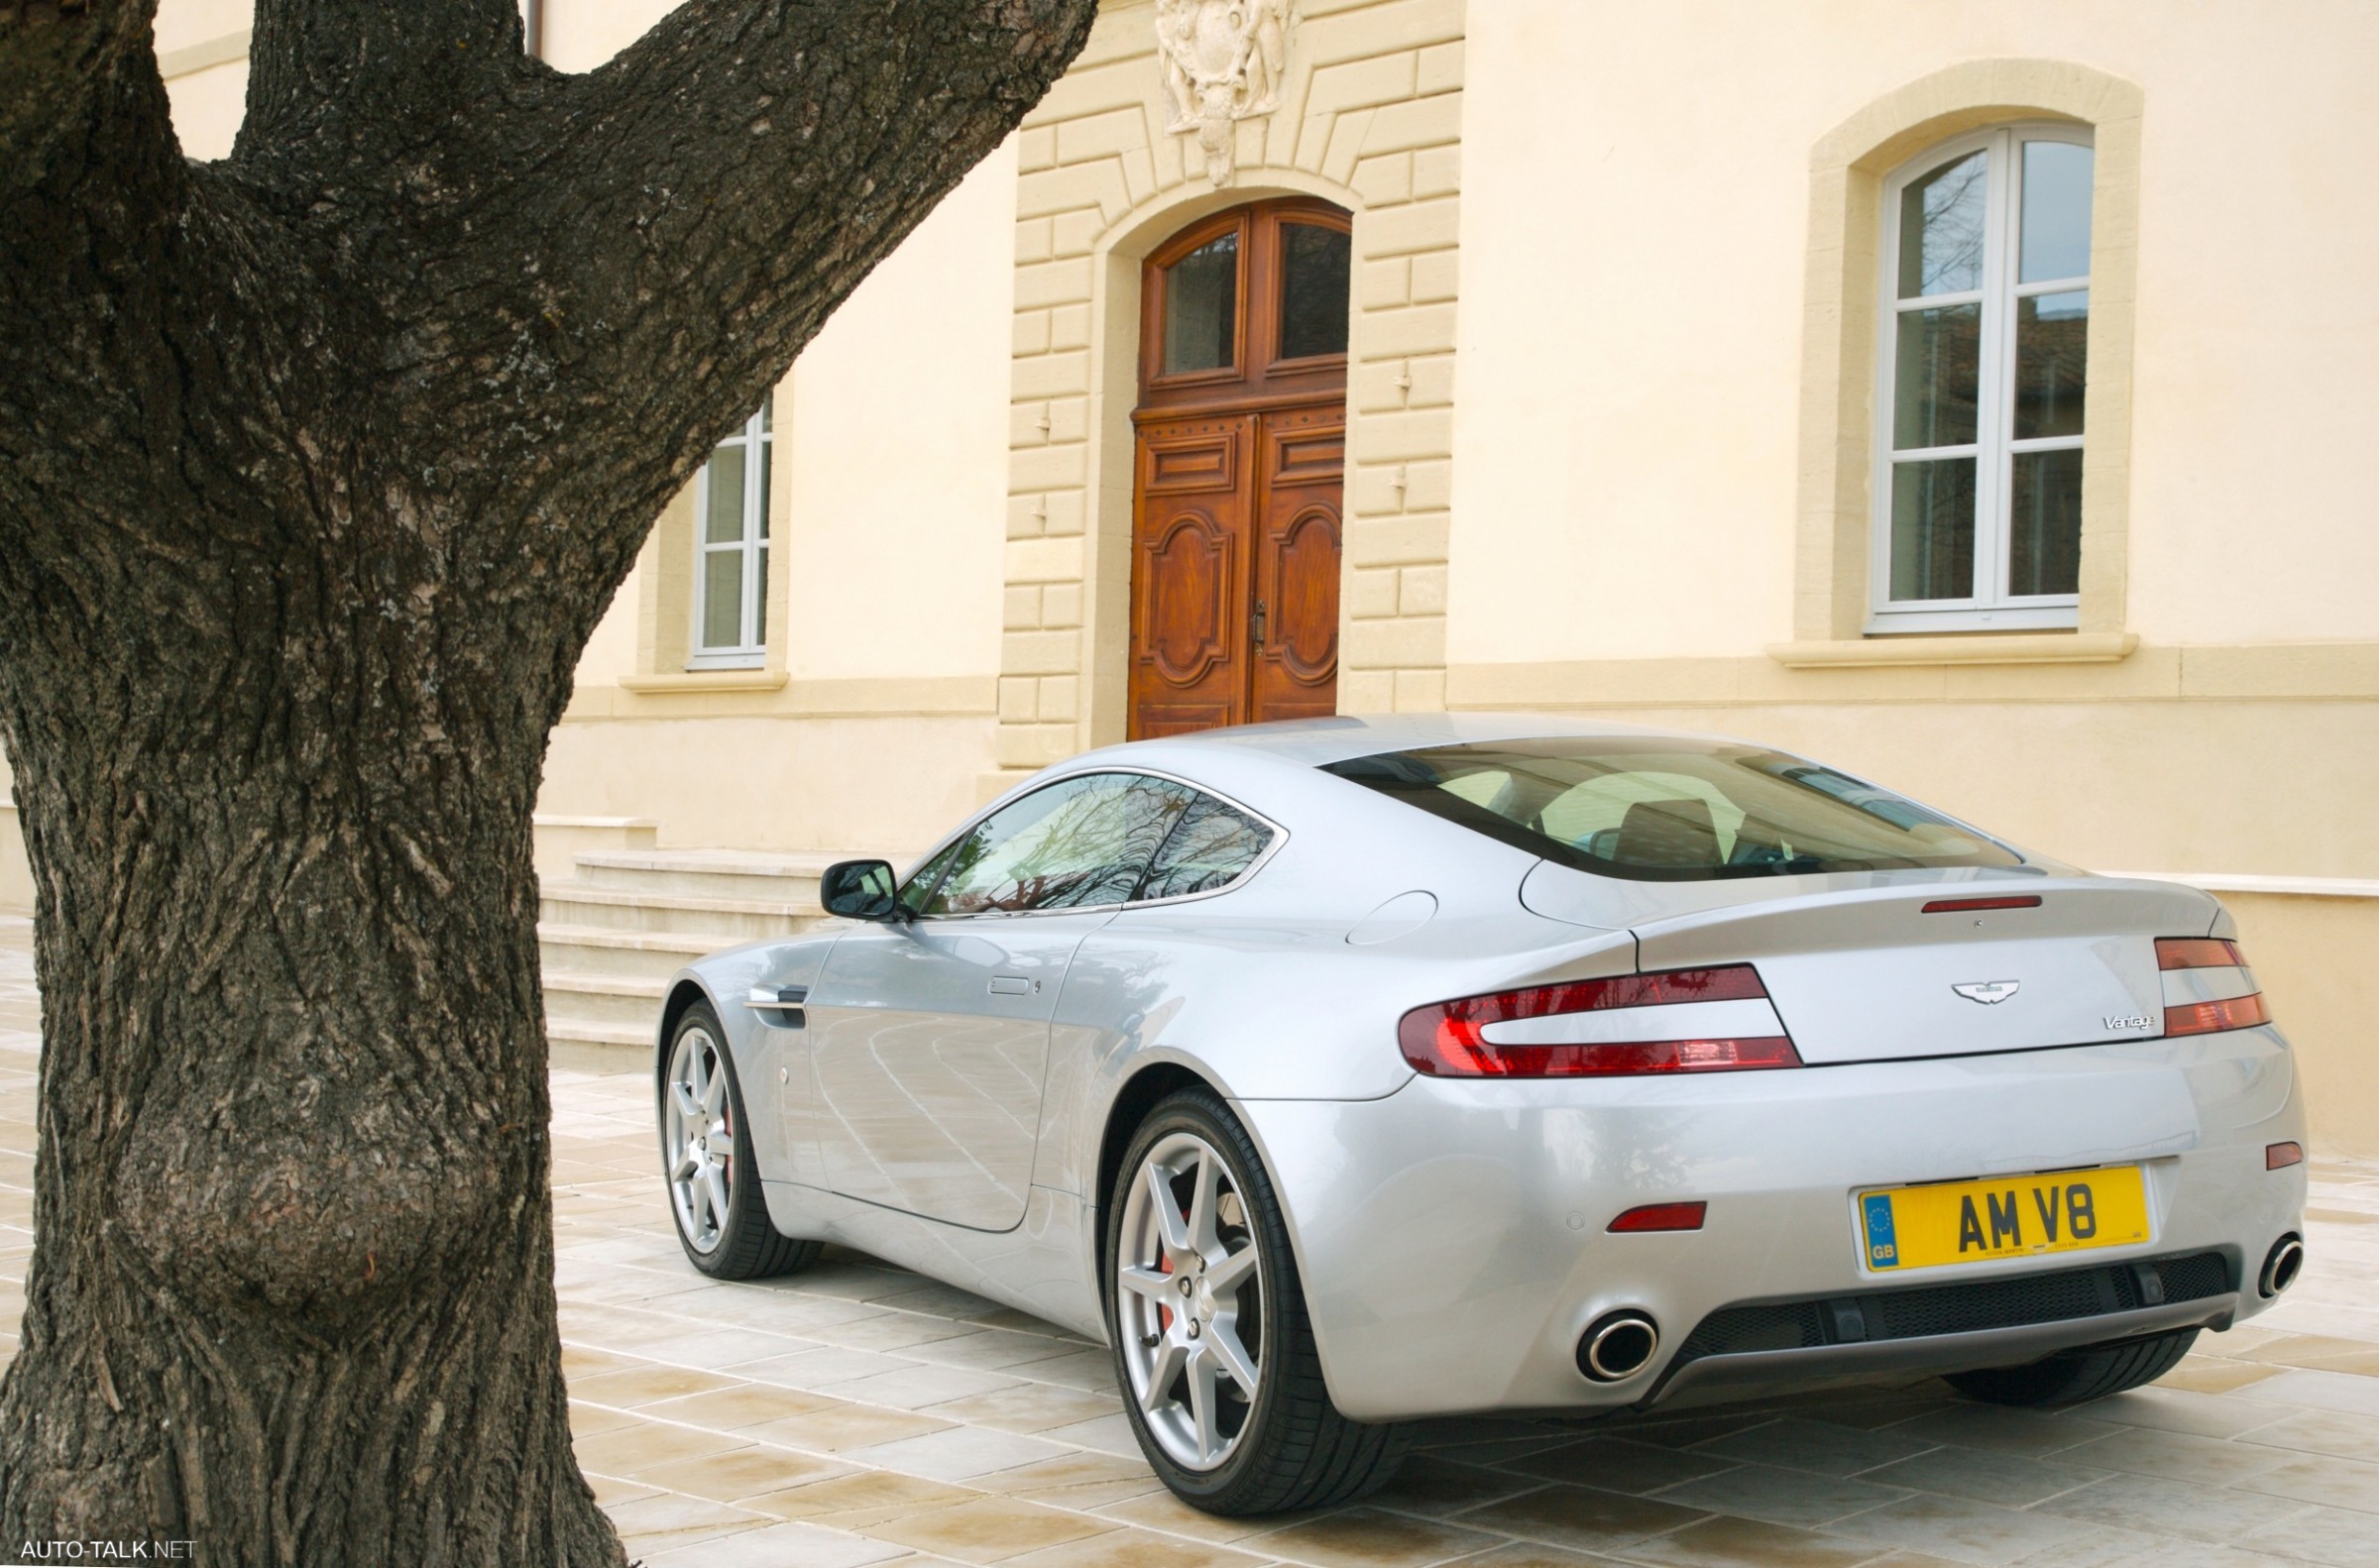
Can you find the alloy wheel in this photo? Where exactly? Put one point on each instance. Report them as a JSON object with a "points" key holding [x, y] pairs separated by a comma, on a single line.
{"points": [[698, 1139], [1190, 1301]]}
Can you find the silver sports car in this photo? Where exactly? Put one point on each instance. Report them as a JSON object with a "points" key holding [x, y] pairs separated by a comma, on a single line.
{"points": [[1342, 1072]]}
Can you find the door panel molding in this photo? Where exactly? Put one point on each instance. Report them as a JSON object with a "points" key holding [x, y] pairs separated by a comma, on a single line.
{"points": [[1189, 567]]}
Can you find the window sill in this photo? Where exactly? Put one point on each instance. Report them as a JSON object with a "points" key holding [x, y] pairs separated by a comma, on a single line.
{"points": [[2050, 647], [707, 681]]}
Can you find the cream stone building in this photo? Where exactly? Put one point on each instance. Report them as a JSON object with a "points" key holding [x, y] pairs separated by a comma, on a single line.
{"points": [[1971, 396]]}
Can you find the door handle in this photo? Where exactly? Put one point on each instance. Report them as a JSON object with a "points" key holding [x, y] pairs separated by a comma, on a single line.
{"points": [[1259, 625], [1013, 985]]}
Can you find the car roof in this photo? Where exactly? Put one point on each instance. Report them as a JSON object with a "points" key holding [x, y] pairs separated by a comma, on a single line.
{"points": [[1317, 743]]}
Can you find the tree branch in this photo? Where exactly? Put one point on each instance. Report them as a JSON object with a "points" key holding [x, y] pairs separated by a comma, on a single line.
{"points": [[762, 156]]}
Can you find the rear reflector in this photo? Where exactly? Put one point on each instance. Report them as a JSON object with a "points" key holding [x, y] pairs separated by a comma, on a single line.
{"points": [[2276, 1157], [1631, 1024], [1963, 906], [2207, 986], [1661, 1216]]}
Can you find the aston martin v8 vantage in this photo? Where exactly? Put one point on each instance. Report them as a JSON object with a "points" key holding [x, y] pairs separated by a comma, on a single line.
{"points": [[1345, 1072]]}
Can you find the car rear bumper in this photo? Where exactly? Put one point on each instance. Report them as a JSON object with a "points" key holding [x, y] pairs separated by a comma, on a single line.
{"points": [[1452, 1244]]}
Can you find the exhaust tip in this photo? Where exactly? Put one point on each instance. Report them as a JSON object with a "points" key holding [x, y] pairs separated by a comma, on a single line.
{"points": [[1617, 1346], [2281, 1267]]}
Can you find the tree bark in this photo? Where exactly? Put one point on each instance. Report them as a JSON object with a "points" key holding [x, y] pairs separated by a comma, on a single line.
{"points": [[317, 466]]}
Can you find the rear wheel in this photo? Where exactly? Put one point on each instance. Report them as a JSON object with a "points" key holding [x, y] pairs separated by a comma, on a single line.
{"points": [[2071, 1377], [1213, 1350], [713, 1185]]}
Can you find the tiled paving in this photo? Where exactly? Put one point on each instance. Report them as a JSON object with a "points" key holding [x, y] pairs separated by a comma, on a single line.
{"points": [[861, 1415]]}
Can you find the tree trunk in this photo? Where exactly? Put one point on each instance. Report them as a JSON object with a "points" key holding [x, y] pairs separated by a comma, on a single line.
{"points": [[294, 1288], [316, 470]]}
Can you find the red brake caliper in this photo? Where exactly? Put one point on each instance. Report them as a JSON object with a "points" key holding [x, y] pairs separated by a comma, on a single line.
{"points": [[1164, 1312]]}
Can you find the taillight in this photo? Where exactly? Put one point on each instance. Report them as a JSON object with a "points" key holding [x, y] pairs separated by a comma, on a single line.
{"points": [[2207, 986], [1716, 1020]]}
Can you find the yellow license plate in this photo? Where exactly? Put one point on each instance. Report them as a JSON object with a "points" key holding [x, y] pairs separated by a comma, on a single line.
{"points": [[1925, 1227]]}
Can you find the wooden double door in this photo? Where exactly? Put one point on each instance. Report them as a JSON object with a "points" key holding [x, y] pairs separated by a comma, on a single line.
{"points": [[1239, 471]]}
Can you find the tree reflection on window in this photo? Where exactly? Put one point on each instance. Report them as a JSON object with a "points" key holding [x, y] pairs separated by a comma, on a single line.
{"points": [[1079, 844]]}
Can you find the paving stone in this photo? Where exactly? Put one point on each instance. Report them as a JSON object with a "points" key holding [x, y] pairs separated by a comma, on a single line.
{"points": [[2172, 1507], [1822, 1446], [2339, 1538], [1985, 1475], [1615, 1465], [781, 1546], [1370, 1538], [1967, 1532], [987, 1529], [1581, 1517], [1430, 1486], [2178, 1456], [1782, 1496], [1731, 1543]]}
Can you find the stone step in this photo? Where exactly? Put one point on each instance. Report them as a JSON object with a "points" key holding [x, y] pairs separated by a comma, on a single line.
{"points": [[631, 1002], [730, 920], [741, 875], [599, 1048], [606, 950]]}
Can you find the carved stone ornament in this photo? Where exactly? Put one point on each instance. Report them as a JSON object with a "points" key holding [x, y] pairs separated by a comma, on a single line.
{"points": [[1223, 62]]}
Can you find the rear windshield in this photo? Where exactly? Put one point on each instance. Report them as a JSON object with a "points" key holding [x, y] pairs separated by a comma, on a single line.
{"points": [[1662, 810]]}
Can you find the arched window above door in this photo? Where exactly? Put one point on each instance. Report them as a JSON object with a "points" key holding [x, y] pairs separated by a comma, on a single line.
{"points": [[1251, 302]]}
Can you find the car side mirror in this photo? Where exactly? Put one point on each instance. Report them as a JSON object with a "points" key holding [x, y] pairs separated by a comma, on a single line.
{"points": [[861, 890]]}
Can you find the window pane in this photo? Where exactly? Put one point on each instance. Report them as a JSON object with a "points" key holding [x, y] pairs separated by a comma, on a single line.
{"points": [[1671, 809], [2044, 527], [1933, 529], [1934, 377], [2056, 238], [1213, 845], [1202, 308], [1314, 261], [759, 598], [725, 521], [1942, 219], [1080, 843], [768, 412], [723, 599], [767, 460], [2052, 347]]}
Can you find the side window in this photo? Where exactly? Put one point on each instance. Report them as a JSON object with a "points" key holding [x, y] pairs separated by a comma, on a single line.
{"points": [[1210, 845], [1079, 844]]}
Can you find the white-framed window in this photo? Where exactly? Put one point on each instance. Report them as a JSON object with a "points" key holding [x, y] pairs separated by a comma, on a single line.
{"points": [[1982, 374], [731, 548]]}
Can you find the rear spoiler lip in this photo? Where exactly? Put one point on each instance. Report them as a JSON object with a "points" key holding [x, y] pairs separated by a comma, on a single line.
{"points": [[2054, 892]]}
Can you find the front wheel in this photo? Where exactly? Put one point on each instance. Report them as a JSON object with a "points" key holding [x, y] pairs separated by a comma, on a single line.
{"points": [[2073, 1377], [1213, 1350], [706, 1157]]}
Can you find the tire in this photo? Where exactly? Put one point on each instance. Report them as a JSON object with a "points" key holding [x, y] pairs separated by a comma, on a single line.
{"points": [[2074, 1377], [715, 1198], [1284, 1446]]}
